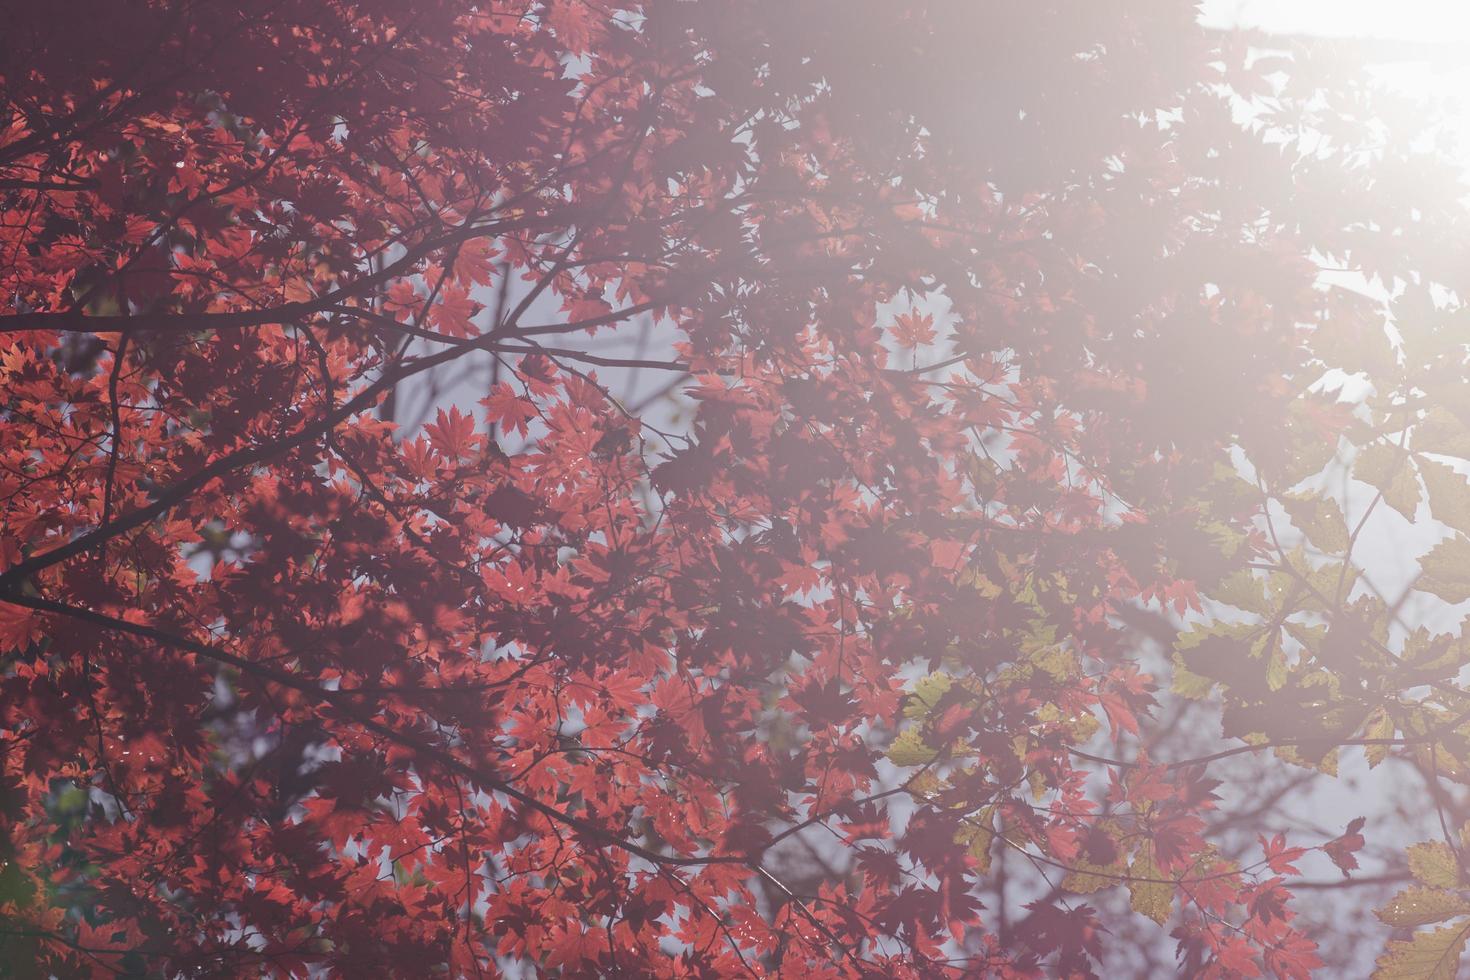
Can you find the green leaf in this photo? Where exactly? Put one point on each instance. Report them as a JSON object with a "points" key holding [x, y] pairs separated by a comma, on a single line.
{"points": [[1385, 468], [1320, 519], [1446, 570], [1433, 955], [1433, 863], [1416, 906], [17, 888], [1449, 494]]}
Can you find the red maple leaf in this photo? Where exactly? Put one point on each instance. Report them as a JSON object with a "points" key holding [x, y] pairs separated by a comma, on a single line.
{"points": [[452, 433]]}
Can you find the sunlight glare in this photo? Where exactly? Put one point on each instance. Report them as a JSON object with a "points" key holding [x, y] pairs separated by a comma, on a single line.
{"points": [[1442, 21]]}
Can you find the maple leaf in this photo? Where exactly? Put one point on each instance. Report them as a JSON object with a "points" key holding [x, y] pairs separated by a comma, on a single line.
{"points": [[824, 702], [1266, 900], [472, 263], [1342, 849], [912, 330], [575, 23], [1128, 693], [293, 654], [503, 407], [403, 299], [454, 311], [419, 456], [1073, 934], [452, 433], [19, 627], [1292, 957], [1279, 856]]}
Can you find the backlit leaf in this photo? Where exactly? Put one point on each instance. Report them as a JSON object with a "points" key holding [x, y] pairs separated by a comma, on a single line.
{"points": [[1445, 571], [1385, 468], [1449, 494], [1432, 955], [1433, 863], [1379, 725], [1441, 432], [1153, 898], [1320, 519], [1417, 906]]}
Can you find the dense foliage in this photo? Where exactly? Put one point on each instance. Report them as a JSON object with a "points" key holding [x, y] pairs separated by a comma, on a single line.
{"points": [[996, 349]]}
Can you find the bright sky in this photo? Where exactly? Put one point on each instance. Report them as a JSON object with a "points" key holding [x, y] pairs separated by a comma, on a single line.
{"points": [[1443, 23], [1409, 20]]}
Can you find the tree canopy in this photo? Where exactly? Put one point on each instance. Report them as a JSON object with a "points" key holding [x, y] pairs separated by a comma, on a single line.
{"points": [[1005, 469]]}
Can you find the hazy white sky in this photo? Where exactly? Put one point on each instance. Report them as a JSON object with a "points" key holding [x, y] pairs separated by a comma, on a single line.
{"points": [[1411, 20]]}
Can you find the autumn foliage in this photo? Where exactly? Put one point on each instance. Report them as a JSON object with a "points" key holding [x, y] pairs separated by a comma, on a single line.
{"points": [[1001, 409]]}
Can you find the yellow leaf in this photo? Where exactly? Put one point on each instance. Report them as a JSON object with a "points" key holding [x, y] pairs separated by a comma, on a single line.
{"points": [[1449, 494], [1434, 863], [1079, 727], [1244, 589], [1058, 661], [1327, 764], [909, 750], [1086, 877], [1355, 343], [981, 584], [927, 692], [1378, 725], [1434, 651], [1276, 668], [1152, 898], [1433, 955], [1308, 635], [1320, 519], [977, 838], [1386, 469], [1446, 570], [1306, 451], [1416, 906], [1440, 432], [925, 784], [1187, 684]]}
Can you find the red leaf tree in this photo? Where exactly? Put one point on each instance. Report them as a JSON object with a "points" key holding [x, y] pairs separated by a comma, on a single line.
{"points": [[972, 329]]}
